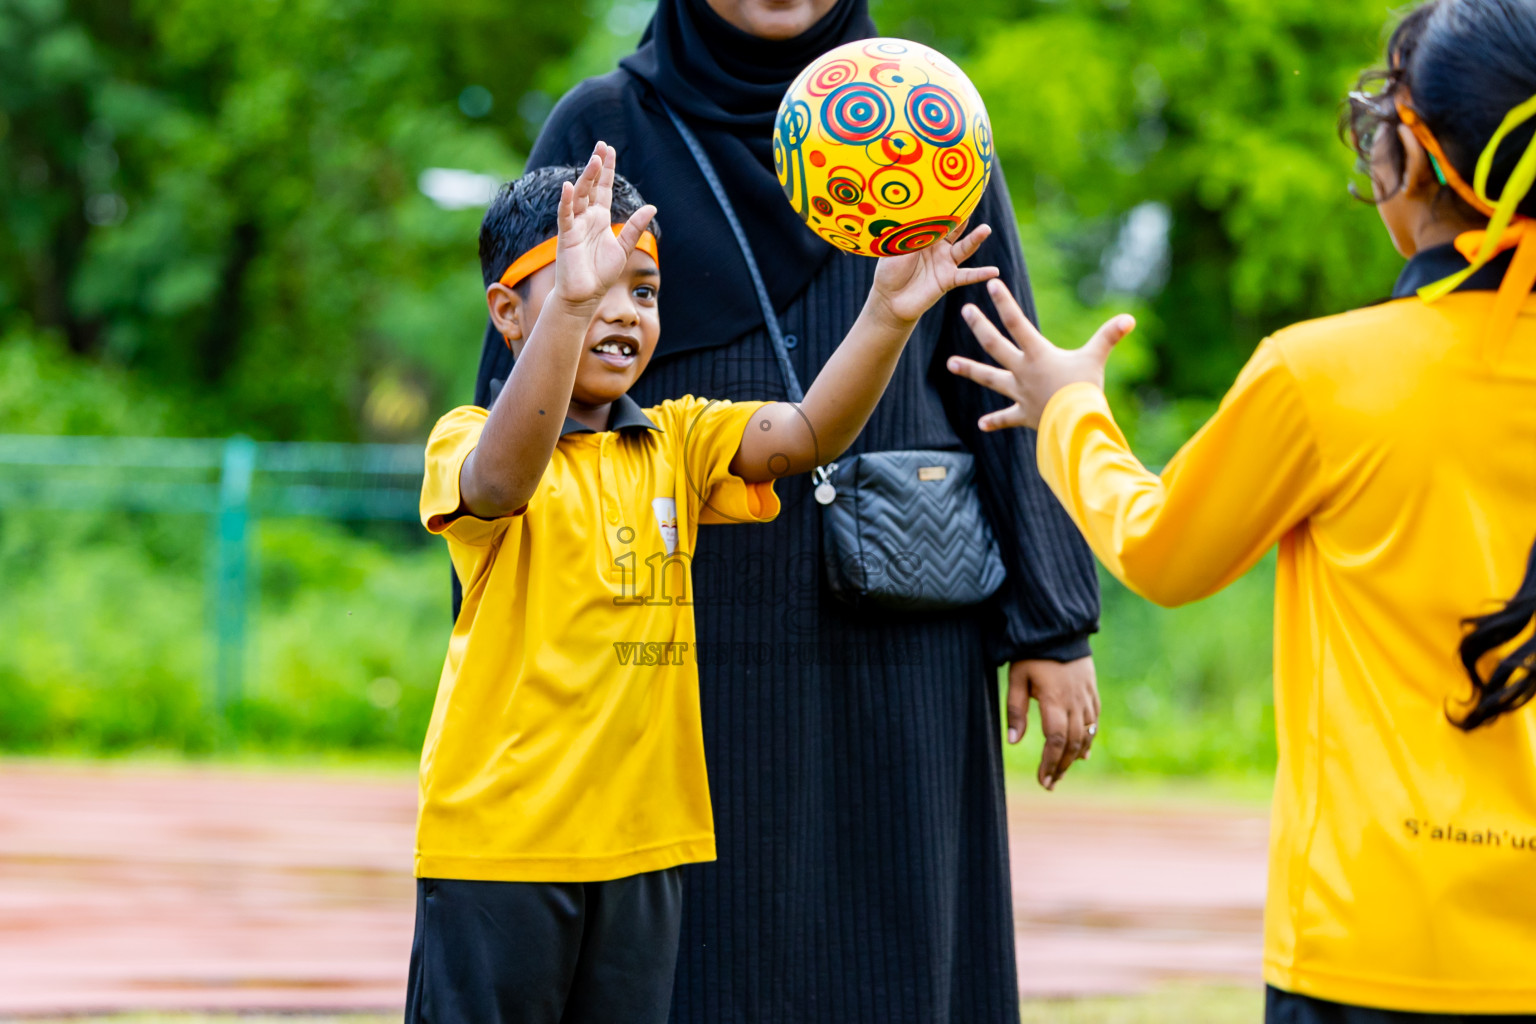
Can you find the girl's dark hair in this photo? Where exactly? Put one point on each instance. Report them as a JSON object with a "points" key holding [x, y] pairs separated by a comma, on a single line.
{"points": [[1466, 64], [1512, 683]]}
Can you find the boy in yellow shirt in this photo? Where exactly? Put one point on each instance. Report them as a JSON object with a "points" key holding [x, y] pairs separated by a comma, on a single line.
{"points": [[1391, 452], [563, 778]]}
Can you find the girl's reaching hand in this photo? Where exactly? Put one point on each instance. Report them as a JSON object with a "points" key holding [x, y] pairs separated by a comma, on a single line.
{"points": [[589, 257], [909, 285], [1032, 369]]}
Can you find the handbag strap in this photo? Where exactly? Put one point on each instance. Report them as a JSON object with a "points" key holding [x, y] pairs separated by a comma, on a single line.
{"points": [[775, 333]]}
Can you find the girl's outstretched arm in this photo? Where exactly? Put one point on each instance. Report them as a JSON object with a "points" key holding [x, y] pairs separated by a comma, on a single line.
{"points": [[1249, 475]]}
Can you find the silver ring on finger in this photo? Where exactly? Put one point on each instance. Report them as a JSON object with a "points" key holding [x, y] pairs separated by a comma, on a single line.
{"points": [[1093, 728]]}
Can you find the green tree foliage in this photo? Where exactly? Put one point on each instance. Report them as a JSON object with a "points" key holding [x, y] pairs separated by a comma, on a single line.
{"points": [[221, 196]]}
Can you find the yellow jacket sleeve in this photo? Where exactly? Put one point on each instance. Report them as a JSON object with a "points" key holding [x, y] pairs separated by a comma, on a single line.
{"points": [[1252, 473]]}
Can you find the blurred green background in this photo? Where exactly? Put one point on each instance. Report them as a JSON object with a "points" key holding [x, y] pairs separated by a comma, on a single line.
{"points": [[213, 221]]}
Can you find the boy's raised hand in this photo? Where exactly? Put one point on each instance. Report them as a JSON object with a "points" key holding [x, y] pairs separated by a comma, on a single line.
{"points": [[589, 257], [911, 284], [1032, 369]]}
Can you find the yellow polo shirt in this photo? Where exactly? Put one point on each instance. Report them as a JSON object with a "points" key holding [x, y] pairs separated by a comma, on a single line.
{"points": [[1393, 458], [565, 743]]}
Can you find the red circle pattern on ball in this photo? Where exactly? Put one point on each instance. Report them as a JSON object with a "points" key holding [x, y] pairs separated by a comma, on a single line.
{"points": [[914, 236], [822, 206], [901, 147], [831, 75], [954, 167]]}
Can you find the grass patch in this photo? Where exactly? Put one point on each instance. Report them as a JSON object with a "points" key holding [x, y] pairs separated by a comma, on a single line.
{"points": [[1175, 1004]]}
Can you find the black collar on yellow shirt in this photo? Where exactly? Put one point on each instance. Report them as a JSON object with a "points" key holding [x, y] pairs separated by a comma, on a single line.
{"points": [[625, 414], [1442, 261]]}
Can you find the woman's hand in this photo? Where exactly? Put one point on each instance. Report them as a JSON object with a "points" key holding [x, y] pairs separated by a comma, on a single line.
{"points": [[909, 285], [589, 257], [1032, 368]]}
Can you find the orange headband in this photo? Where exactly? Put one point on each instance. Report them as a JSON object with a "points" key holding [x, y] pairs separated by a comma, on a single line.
{"points": [[543, 254]]}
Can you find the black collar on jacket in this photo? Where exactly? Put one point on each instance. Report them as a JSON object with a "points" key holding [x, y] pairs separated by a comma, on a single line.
{"points": [[1441, 262]]}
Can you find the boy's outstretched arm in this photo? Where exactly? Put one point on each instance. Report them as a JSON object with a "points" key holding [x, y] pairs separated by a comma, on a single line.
{"points": [[782, 439], [524, 425]]}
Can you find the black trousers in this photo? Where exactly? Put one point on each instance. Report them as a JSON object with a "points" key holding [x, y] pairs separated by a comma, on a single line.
{"points": [[1290, 1008], [545, 952]]}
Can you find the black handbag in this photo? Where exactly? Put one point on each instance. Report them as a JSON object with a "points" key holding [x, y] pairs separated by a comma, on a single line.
{"points": [[903, 529]]}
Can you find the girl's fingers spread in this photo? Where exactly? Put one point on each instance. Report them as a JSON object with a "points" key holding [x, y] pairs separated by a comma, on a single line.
{"points": [[998, 347], [998, 380], [1004, 419], [1024, 332], [1108, 336]]}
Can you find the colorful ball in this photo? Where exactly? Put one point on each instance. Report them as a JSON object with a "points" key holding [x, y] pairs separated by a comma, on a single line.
{"points": [[882, 146]]}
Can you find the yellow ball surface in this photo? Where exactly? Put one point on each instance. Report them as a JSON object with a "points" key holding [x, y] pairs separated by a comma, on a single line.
{"points": [[882, 146]]}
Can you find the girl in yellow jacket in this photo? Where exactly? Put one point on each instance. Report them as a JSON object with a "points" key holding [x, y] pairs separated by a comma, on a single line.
{"points": [[1391, 453]]}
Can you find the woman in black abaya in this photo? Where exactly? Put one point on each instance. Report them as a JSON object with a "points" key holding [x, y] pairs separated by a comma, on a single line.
{"points": [[858, 792]]}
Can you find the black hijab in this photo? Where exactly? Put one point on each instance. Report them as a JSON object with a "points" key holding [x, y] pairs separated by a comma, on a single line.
{"points": [[727, 85]]}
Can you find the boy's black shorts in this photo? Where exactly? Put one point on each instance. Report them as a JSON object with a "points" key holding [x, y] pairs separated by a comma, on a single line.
{"points": [[545, 952], [1290, 1008]]}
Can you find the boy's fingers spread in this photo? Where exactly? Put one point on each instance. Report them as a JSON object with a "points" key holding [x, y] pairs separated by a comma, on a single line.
{"points": [[567, 211], [998, 380], [603, 190], [967, 246], [1108, 336], [974, 275], [635, 227]]}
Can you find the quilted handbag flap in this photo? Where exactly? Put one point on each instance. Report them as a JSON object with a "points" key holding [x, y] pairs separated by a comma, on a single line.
{"points": [[905, 529]]}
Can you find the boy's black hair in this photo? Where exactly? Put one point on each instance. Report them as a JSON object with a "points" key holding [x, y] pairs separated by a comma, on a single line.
{"points": [[1466, 64], [526, 211]]}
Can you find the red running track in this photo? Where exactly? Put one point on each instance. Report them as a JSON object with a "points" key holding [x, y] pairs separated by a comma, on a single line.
{"points": [[133, 888]]}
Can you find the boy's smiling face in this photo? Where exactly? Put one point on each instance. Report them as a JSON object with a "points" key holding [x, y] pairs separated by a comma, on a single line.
{"points": [[619, 342]]}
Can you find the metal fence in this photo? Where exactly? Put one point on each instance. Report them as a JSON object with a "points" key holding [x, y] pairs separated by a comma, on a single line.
{"points": [[231, 481]]}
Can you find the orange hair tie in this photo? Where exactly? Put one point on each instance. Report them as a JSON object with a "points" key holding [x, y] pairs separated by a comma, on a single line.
{"points": [[1410, 117], [543, 254]]}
